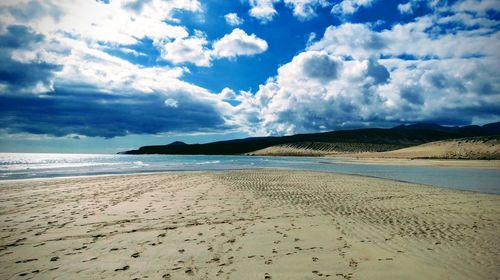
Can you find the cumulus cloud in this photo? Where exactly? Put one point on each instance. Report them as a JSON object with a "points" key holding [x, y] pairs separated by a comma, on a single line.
{"points": [[406, 8], [233, 19], [83, 89], [319, 66], [96, 94], [263, 10], [194, 49], [116, 22], [190, 49], [227, 93], [479, 7], [437, 68], [18, 74], [351, 39], [349, 7], [238, 42], [317, 91], [426, 37], [305, 9]]}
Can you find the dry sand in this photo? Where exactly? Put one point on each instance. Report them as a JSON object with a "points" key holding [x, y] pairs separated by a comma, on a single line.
{"points": [[245, 225], [466, 148], [483, 152]]}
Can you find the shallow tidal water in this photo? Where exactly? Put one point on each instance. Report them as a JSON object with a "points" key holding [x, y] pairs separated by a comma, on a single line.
{"points": [[31, 165]]}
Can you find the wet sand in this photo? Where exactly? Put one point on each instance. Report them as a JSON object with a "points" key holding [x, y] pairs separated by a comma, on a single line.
{"points": [[251, 224], [493, 164]]}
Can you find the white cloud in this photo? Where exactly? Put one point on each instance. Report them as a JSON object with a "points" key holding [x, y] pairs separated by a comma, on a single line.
{"points": [[233, 19], [349, 7], [263, 10], [193, 49], [170, 102], [480, 7], [86, 67], [406, 8], [190, 49], [132, 52], [316, 91], [71, 41], [115, 23], [238, 42], [425, 70], [424, 38], [227, 93], [351, 40], [306, 9]]}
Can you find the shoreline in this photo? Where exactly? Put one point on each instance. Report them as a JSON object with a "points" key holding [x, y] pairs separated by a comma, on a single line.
{"points": [[111, 175], [488, 188]]}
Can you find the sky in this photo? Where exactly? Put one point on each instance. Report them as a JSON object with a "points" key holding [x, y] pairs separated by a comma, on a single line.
{"points": [[87, 76]]}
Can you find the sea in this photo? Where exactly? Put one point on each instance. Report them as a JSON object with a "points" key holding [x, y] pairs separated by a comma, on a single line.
{"points": [[14, 166]]}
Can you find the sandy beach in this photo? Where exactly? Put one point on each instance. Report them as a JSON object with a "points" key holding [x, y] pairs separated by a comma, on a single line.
{"points": [[251, 224]]}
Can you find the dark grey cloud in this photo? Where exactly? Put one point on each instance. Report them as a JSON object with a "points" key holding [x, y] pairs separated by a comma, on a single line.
{"points": [[100, 114], [442, 81], [19, 75], [136, 5], [18, 36], [375, 42], [413, 95], [35, 9], [321, 66], [378, 72]]}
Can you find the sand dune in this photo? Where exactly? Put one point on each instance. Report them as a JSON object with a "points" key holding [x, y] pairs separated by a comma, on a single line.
{"points": [[322, 149], [245, 225], [467, 148], [477, 148]]}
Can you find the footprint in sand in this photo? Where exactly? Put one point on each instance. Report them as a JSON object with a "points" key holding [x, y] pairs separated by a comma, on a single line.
{"points": [[122, 268], [317, 273], [26, 261], [189, 271]]}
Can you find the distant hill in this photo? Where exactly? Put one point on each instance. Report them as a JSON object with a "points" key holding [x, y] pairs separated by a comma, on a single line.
{"points": [[176, 144], [380, 139]]}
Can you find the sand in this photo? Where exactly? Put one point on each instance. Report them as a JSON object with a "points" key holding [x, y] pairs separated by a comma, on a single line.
{"points": [[465, 148], [480, 152], [322, 149], [251, 224]]}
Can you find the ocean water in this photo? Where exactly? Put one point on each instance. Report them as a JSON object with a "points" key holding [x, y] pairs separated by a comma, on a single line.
{"points": [[25, 166]]}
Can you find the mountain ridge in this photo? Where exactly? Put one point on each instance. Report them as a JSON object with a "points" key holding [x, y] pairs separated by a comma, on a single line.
{"points": [[397, 137]]}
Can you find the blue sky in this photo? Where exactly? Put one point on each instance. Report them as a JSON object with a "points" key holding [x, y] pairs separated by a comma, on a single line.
{"points": [[106, 76]]}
